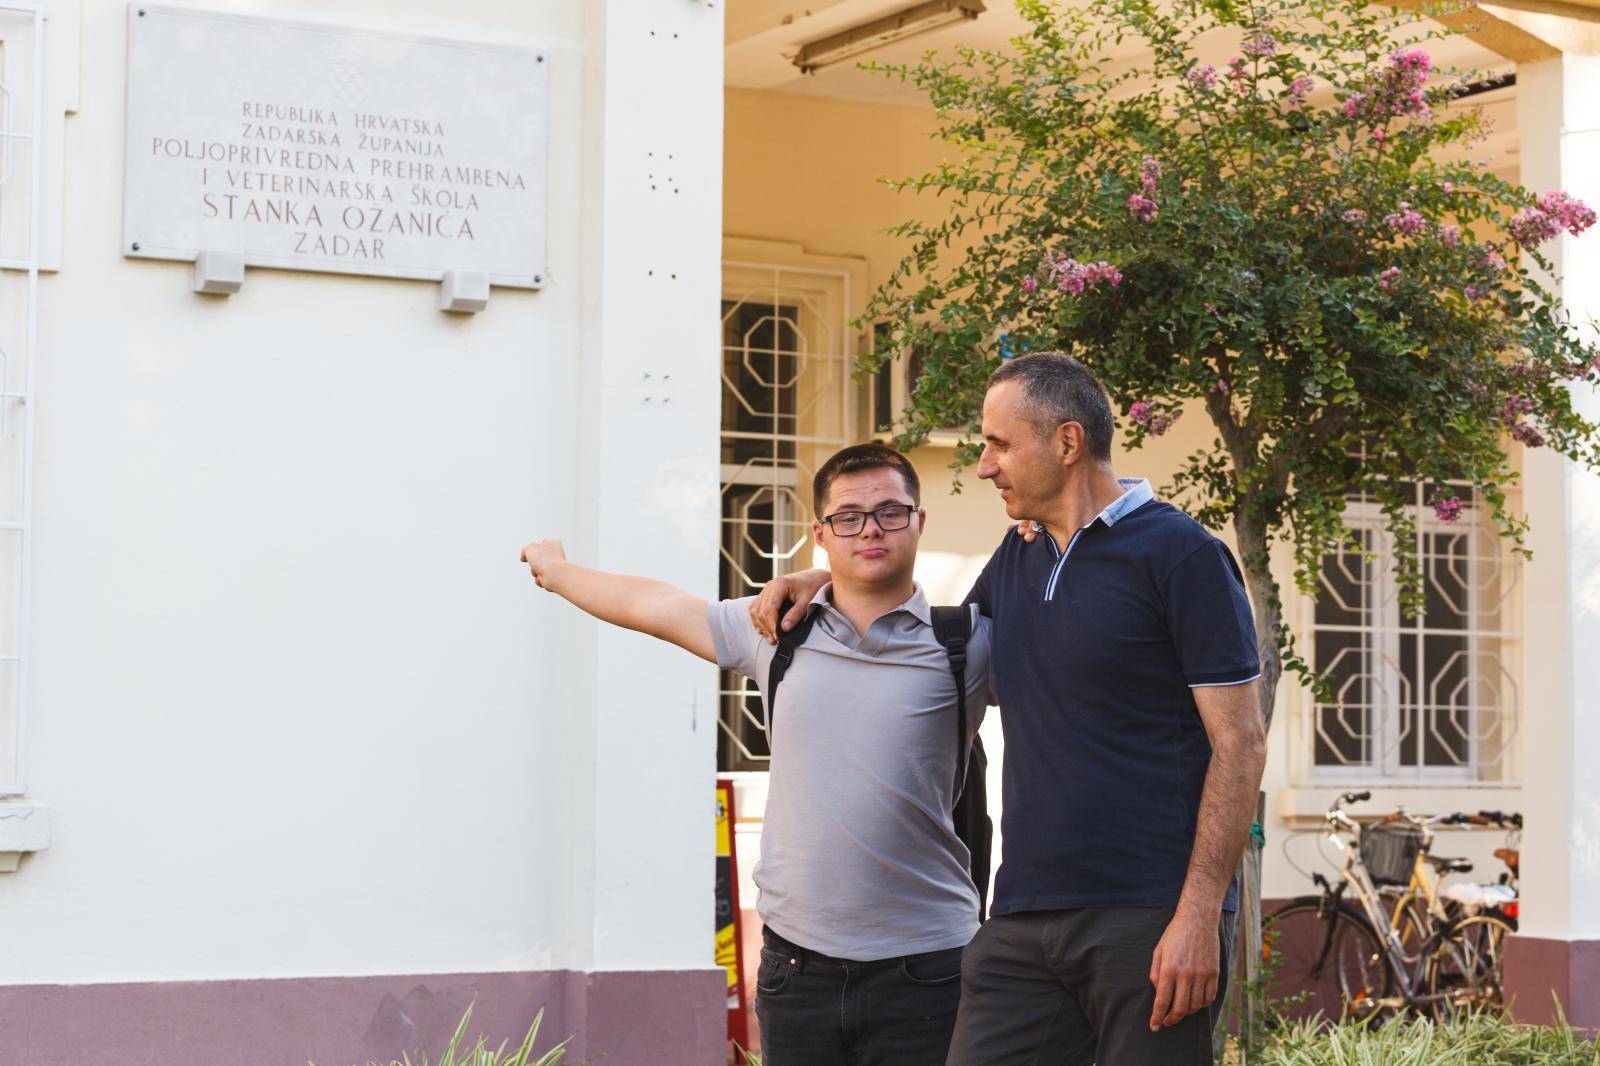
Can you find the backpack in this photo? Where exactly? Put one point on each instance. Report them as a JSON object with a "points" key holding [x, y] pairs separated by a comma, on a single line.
{"points": [[952, 627]]}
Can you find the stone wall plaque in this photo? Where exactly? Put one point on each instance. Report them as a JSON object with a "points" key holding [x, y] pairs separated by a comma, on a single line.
{"points": [[305, 146]]}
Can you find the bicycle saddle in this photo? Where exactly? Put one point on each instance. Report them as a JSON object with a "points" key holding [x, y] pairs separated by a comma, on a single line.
{"points": [[1450, 866]]}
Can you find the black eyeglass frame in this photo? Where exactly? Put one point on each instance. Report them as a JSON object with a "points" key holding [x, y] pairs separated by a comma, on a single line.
{"points": [[875, 514]]}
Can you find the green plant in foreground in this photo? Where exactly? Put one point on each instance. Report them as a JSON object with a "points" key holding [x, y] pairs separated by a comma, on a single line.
{"points": [[1480, 1040], [480, 1054]]}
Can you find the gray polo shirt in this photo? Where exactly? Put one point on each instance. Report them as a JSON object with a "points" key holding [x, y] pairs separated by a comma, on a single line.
{"points": [[859, 858]]}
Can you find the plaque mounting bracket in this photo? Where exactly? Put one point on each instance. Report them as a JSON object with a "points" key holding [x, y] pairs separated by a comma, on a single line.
{"points": [[221, 273], [464, 291]]}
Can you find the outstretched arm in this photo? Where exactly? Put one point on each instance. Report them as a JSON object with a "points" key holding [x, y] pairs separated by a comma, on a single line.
{"points": [[1185, 967], [637, 603]]}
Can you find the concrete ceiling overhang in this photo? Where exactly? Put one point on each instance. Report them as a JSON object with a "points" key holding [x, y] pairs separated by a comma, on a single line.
{"points": [[1526, 31], [763, 36]]}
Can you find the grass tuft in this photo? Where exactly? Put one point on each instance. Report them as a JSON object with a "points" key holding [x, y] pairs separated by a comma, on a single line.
{"points": [[480, 1054]]}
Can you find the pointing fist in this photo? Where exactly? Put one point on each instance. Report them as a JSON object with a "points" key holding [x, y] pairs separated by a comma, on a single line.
{"points": [[542, 556]]}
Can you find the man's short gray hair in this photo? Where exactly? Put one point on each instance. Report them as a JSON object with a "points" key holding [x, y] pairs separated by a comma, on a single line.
{"points": [[1056, 388]]}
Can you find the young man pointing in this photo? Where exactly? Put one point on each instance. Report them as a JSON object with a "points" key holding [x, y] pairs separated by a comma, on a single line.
{"points": [[864, 889]]}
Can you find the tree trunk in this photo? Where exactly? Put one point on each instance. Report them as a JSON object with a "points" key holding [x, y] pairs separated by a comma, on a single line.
{"points": [[1255, 560]]}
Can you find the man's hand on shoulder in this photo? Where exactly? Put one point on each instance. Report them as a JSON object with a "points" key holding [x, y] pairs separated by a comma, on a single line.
{"points": [[1185, 967], [543, 556], [798, 588], [1027, 529]]}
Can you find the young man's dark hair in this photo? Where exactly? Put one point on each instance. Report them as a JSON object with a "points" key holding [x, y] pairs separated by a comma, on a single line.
{"points": [[1060, 389], [863, 457]]}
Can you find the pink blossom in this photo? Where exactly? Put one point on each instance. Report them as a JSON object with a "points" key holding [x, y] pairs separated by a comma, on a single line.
{"points": [[1354, 214], [1570, 213], [1071, 276], [1211, 309], [1488, 259], [1447, 187], [1447, 508], [1029, 283], [1154, 422], [1531, 372], [1141, 207], [1515, 407], [1222, 386], [1203, 76], [1411, 59], [1378, 134], [1406, 220], [1532, 226], [1528, 435], [1554, 212], [1236, 68], [1299, 89], [1388, 279], [1260, 44], [1511, 413], [1396, 92], [1149, 174], [1473, 292], [1450, 236]]}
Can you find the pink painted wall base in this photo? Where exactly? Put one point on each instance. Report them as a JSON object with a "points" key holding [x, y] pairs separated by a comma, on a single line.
{"points": [[1537, 971], [632, 1018]]}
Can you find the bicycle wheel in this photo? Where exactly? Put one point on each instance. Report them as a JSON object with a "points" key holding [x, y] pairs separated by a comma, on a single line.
{"points": [[1323, 964], [1464, 970]]}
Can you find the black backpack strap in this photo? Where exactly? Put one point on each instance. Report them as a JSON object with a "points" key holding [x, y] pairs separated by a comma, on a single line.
{"points": [[788, 641], [952, 627]]}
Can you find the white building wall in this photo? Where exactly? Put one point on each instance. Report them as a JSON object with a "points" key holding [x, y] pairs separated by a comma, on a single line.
{"points": [[1560, 122], [296, 709]]}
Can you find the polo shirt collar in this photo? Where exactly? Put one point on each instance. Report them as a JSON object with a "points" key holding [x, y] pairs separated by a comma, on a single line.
{"points": [[915, 605], [1136, 492]]}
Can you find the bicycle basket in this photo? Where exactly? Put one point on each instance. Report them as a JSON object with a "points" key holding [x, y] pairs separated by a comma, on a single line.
{"points": [[1390, 852]]}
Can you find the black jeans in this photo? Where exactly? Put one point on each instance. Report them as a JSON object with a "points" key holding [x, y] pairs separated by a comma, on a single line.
{"points": [[1072, 987], [816, 1010]]}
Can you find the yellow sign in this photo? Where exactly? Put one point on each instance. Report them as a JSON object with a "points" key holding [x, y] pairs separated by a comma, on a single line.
{"points": [[727, 944]]}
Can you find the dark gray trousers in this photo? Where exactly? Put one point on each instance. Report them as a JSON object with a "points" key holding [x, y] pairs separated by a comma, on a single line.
{"points": [[1071, 987]]}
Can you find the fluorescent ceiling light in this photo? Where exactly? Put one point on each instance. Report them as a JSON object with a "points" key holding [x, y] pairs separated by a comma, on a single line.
{"points": [[920, 18]]}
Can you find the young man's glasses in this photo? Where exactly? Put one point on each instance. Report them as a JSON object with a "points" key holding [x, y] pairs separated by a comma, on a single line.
{"points": [[889, 517]]}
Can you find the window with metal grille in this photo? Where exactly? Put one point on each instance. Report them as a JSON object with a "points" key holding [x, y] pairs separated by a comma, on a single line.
{"points": [[787, 404], [1432, 698]]}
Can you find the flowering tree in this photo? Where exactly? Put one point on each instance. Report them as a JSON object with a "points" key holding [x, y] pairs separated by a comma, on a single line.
{"points": [[1299, 241]]}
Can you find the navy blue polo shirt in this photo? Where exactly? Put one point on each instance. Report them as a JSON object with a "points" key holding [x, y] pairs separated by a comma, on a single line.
{"points": [[1095, 651]]}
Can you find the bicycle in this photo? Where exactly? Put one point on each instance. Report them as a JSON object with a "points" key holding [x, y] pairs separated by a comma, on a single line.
{"points": [[1452, 936], [1354, 959]]}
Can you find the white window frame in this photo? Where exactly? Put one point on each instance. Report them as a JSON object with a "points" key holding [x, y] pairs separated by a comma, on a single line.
{"points": [[783, 274], [1490, 758], [19, 341]]}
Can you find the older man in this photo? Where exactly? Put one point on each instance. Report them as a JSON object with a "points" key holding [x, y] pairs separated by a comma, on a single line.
{"points": [[1125, 663]]}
